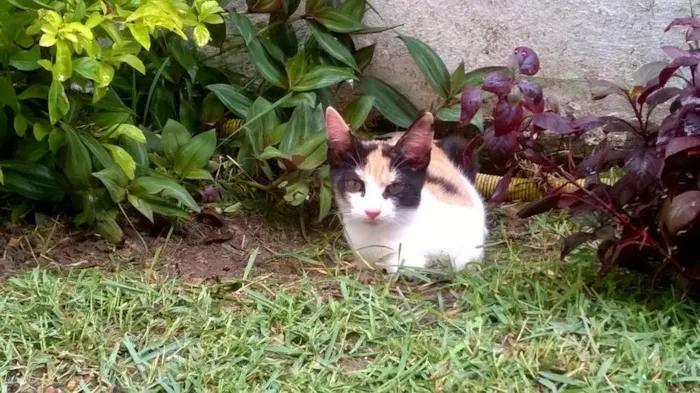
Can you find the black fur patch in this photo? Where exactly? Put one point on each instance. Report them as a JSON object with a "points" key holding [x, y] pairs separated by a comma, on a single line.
{"points": [[446, 185], [412, 180], [343, 169], [455, 146]]}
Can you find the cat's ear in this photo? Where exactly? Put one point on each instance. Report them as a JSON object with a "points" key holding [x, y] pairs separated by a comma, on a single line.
{"points": [[338, 133], [416, 144]]}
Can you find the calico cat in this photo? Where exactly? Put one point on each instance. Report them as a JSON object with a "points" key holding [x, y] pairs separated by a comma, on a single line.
{"points": [[406, 201]]}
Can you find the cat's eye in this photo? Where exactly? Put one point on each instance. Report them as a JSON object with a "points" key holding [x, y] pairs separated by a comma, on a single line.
{"points": [[394, 188], [353, 185]]}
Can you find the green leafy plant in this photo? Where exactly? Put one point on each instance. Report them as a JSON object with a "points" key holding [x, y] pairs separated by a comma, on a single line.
{"points": [[448, 87], [281, 143], [74, 76]]}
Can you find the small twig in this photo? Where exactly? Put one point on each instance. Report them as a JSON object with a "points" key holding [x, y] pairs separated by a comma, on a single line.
{"points": [[131, 224]]}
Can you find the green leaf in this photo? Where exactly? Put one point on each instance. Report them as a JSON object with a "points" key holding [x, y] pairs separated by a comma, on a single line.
{"points": [[129, 130], [20, 124], [333, 47], [34, 91], [63, 66], [309, 98], [185, 53], [2, 177], [123, 159], [315, 159], [199, 174], [31, 180], [430, 64], [354, 8], [271, 152], [87, 67], [339, 22], [325, 201], [106, 74], [57, 139], [26, 60], [232, 98], [458, 80], [389, 102], [115, 181], [174, 137], [306, 147], [149, 185], [357, 111], [201, 35], [58, 102], [262, 119], [196, 153], [315, 7], [298, 127], [78, 165], [142, 206], [323, 76], [296, 67], [140, 34], [165, 208], [258, 55], [109, 229], [133, 61], [450, 114], [7, 93], [137, 150], [363, 56], [41, 130], [99, 152]]}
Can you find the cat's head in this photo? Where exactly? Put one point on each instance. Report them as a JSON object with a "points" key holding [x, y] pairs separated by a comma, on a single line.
{"points": [[378, 181]]}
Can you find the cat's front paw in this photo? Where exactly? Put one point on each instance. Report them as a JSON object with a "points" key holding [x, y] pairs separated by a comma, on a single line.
{"points": [[406, 260]]}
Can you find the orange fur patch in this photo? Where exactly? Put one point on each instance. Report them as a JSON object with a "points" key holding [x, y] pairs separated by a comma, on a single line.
{"points": [[379, 167]]}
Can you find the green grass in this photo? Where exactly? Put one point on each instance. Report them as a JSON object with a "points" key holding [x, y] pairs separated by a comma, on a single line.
{"points": [[526, 322]]}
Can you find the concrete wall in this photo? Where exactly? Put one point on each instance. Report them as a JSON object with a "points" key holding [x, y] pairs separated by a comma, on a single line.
{"points": [[575, 39]]}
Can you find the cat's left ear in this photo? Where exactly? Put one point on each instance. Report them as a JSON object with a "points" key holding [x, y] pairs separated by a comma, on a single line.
{"points": [[338, 133], [416, 144]]}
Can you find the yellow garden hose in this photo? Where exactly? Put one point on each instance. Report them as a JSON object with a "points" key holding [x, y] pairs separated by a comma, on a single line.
{"points": [[520, 189]]}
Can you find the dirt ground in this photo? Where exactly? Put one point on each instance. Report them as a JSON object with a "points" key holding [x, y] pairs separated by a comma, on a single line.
{"points": [[211, 247]]}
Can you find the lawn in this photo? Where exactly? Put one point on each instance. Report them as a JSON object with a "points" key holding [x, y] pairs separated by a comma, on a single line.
{"points": [[523, 322]]}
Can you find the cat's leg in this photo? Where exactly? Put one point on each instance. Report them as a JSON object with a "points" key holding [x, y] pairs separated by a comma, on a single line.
{"points": [[467, 256], [406, 258]]}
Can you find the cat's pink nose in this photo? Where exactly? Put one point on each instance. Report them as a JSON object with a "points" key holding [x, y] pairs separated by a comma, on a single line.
{"points": [[372, 214]]}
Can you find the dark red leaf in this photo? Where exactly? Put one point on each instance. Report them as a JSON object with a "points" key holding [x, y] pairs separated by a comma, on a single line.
{"points": [[497, 83], [661, 96], [602, 88], [602, 159], [471, 102], [527, 60], [575, 240], [586, 123], [469, 157], [531, 89], [643, 167], [674, 51], [540, 206], [506, 117], [501, 190], [685, 61], [664, 76], [693, 35], [686, 21], [620, 125], [500, 148], [683, 212], [553, 122], [683, 144]]}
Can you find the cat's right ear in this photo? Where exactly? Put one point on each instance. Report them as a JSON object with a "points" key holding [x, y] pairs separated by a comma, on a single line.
{"points": [[338, 133]]}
